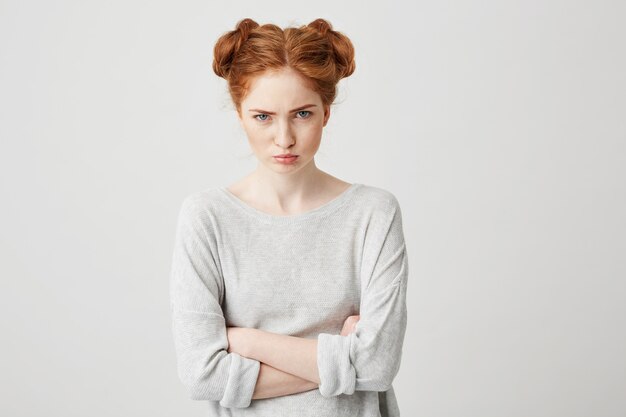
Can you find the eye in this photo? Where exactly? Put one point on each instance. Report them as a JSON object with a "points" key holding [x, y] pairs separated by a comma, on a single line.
{"points": [[308, 113], [262, 120]]}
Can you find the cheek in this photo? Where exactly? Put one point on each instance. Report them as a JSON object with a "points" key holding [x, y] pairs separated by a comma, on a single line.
{"points": [[259, 136], [255, 134], [313, 130], [317, 134]]}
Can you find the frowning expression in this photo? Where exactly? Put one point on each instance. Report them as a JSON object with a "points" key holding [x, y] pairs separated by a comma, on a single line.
{"points": [[281, 115]]}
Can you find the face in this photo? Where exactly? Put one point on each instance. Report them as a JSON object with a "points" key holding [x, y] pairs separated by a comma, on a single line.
{"points": [[282, 115]]}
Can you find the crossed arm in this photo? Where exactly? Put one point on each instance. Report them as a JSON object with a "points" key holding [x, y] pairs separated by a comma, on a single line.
{"points": [[270, 365], [288, 363]]}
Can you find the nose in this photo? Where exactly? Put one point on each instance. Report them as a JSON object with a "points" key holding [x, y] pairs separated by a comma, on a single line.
{"points": [[284, 136]]}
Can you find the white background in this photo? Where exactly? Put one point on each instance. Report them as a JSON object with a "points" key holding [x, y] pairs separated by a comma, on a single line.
{"points": [[499, 125]]}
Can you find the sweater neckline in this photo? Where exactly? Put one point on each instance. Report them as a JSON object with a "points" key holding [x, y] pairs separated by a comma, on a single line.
{"points": [[325, 208]]}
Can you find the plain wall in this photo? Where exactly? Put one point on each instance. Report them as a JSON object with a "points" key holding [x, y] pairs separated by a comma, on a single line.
{"points": [[499, 125]]}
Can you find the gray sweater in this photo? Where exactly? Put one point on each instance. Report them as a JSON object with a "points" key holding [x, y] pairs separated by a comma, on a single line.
{"points": [[300, 275]]}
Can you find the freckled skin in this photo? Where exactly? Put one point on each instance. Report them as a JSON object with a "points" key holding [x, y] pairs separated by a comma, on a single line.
{"points": [[296, 132]]}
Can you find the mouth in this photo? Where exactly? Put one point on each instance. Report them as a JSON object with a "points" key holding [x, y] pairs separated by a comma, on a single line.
{"points": [[286, 158]]}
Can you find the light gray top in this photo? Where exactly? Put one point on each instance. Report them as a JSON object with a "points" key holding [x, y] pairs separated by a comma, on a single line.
{"points": [[300, 275]]}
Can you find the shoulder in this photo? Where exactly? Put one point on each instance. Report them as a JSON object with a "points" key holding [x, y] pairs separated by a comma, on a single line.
{"points": [[378, 198], [202, 204], [383, 228], [202, 199]]}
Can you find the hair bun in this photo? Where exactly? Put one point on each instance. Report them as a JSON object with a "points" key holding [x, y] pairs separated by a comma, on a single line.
{"points": [[227, 46], [343, 49], [321, 25], [323, 56], [244, 27]]}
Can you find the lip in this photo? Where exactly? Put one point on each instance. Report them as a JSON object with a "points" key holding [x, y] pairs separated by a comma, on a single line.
{"points": [[284, 155], [286, 159]]}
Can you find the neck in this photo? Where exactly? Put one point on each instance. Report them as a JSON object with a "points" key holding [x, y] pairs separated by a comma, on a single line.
{"points": [[300, 185]]}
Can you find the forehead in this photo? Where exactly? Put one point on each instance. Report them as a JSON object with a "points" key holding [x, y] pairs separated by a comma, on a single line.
{"points": [[282, 89]]}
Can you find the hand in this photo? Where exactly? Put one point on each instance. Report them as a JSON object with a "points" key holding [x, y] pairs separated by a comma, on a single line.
{"points": [[349, 325]]}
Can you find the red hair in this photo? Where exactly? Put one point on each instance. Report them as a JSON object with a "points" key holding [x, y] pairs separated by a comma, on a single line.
{"points": [[323, 56]]}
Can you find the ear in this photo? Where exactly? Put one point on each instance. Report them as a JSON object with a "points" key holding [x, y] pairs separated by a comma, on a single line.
{"points": [[326, 115]]}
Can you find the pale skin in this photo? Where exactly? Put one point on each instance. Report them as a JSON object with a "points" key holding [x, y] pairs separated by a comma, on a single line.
{"points": [[285, 189], [288, 363], [281, 114]]}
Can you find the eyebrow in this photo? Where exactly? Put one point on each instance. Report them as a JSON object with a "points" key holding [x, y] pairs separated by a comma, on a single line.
{"points": [[306, 106]]}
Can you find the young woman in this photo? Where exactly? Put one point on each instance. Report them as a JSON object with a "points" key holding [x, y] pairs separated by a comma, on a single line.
{"points": [[288, 287]]}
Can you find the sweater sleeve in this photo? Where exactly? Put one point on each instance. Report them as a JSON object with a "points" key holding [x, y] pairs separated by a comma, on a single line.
{"points": [[204, 365], [368, 359]]}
